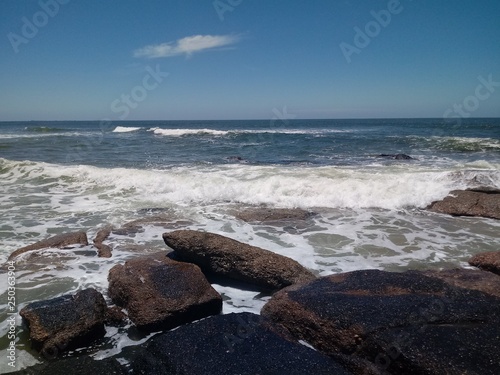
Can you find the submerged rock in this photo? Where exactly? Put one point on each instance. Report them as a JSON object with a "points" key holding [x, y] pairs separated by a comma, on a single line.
{"points": [[404, 323], [487, 261], [235, 260], [104, 251], [229, 344], [66, 322], [476, 202], [160, 293], [396, 156], [272, 214], [59, 241]]}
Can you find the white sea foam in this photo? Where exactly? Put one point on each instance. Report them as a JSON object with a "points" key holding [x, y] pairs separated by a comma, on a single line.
{"points": [[38, 200], [332, 187], [213, 132], [124, 129], [182, 132]]}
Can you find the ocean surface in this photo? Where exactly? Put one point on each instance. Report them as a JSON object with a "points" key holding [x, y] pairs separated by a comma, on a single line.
{"points": [[57, 177]]}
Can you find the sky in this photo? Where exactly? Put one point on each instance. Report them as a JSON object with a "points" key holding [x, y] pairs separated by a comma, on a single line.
{"points": [[248, 59]]}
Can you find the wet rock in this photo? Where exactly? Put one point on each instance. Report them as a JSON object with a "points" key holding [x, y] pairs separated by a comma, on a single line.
{"points": [[469, 279], [115, 316], [404, 323], [489, 261], [263, 214], [229, 344], [66, 322], [60, 241], [160, 293], [104, 251], [82, 365], [229, 258], [396, 156], [476, 202], [102, 235]]}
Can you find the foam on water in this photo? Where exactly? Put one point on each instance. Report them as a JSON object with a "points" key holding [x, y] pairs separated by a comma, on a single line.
{"points": [[183, 132], [205, 131], [124, 129], [366, 218]]}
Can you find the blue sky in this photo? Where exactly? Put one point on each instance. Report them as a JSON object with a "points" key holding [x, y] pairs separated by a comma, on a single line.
{"points": [[244, 59]]}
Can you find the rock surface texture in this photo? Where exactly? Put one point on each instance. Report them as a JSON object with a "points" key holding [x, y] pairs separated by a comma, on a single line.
{"points": [[483, 202], [160, 293], [229, 344], [59, 241], [272, 214], [487, 261], [66, 322], [403, 323], [235, 260]]}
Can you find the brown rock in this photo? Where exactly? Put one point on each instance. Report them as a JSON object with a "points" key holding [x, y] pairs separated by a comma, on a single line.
{"points": [[230, 258], [102, 235], [115, 316], [469, 279], [104, 251], [66, 322], [272, 214], [489, 261], [160, 293], [477, 202], [59, 241], [404, 323]]}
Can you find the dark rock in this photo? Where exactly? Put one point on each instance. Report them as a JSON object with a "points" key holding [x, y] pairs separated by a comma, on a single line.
{"points": [[229, 344], [153, 210], [404, 323], [230, 258], [66, 322], [469, 279], [160, 293], [469, 203], [489, 261], [485, 189], [396, 156], [272, 214], [59, 241], [82, 365]]}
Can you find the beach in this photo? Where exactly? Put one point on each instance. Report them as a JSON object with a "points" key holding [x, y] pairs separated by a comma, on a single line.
{"points": [[367, 206]]}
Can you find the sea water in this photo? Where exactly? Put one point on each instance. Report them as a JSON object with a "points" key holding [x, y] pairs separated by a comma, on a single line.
{"points": [[58, 177]]}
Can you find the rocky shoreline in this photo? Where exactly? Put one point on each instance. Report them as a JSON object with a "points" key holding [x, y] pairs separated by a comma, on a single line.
{"points": [[360, 322]]}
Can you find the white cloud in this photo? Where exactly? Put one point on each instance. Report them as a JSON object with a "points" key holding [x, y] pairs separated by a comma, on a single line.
{"points": [[186, 46]]}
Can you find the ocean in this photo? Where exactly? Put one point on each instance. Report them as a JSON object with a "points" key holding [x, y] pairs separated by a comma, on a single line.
{"points": [[59, 177]]}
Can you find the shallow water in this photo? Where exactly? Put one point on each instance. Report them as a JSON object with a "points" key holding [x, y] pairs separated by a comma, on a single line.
{"points": [[62, 177]]}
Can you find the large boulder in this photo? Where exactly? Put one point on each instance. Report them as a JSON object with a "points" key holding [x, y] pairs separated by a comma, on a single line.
{"points": [[66, 322], [229, 344], [489, 261], [230, 258], [483, 202], [60, 241], [404, 323], [160, 293]]}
